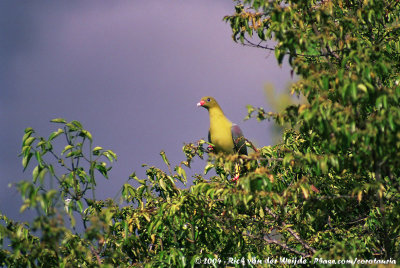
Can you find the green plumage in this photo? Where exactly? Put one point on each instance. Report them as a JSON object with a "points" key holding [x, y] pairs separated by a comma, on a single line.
{"points": [[226, 136]]}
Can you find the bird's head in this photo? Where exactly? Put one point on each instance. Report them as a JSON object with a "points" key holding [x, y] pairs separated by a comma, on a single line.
{"points": [[207, 102]]}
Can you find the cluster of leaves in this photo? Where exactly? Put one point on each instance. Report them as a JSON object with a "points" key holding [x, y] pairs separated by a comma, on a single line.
{"points": [[161, 225], [347, 55], [73, 177], [330, 189]]}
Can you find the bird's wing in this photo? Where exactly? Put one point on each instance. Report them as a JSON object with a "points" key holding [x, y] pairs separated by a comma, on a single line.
{"points": [[238, 139]]}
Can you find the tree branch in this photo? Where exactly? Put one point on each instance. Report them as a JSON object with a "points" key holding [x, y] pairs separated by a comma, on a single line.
{"points": [[323, 54], [284, 246], [291, 231], [96, 254]]}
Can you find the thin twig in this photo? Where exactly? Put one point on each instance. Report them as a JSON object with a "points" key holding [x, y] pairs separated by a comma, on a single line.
{"points": [[252, 145], [356, 221], [284, 246], [332, 197], [291, 231], [326, 54], [96, 254]]}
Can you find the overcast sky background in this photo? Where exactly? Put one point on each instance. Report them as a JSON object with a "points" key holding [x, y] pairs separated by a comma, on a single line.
{"points": [[131, 72]]}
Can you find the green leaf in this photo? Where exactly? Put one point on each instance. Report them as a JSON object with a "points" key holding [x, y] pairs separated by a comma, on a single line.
{"points": [[102, 169], [38, 157], [77, 124], [29, 130], [80, 205], [261, 212], [35, 174], [51, 169], [325, 82], [162, 184], [26, 159], [134, 177], [58, 120], [96, 150], [27, 134], [29, 141], [67, 148], [208, 167], [114, 155], [164, 157], [85, 133], [391, 122], [55, 134], [381, 102], [353, 91], [181, 172], [362, 87], [110, 155], [42, 173]]}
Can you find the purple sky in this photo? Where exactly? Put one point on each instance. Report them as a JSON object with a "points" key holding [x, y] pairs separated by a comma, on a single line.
{"points": [[131, 72]]}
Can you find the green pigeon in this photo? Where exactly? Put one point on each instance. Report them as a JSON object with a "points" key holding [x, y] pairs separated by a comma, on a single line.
{"points": [[226, 136]]}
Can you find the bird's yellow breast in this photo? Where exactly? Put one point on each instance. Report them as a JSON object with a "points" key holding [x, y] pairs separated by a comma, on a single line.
{"points": [[221, 135]]}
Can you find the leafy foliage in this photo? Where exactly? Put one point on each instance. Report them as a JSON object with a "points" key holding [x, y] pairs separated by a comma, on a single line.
{"points": [[330, 189], [347, 54]]}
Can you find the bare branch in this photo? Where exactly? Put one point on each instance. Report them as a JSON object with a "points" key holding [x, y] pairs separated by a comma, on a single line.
{"points": [[327, 52], [291, 231], [252, 145], [284, 246], [96, 254]]}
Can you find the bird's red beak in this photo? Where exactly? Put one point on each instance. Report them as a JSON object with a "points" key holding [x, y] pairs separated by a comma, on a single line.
{"points": [[201, 103]]}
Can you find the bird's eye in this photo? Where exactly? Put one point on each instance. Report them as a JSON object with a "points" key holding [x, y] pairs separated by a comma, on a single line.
{"points": [[208, 99]]}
